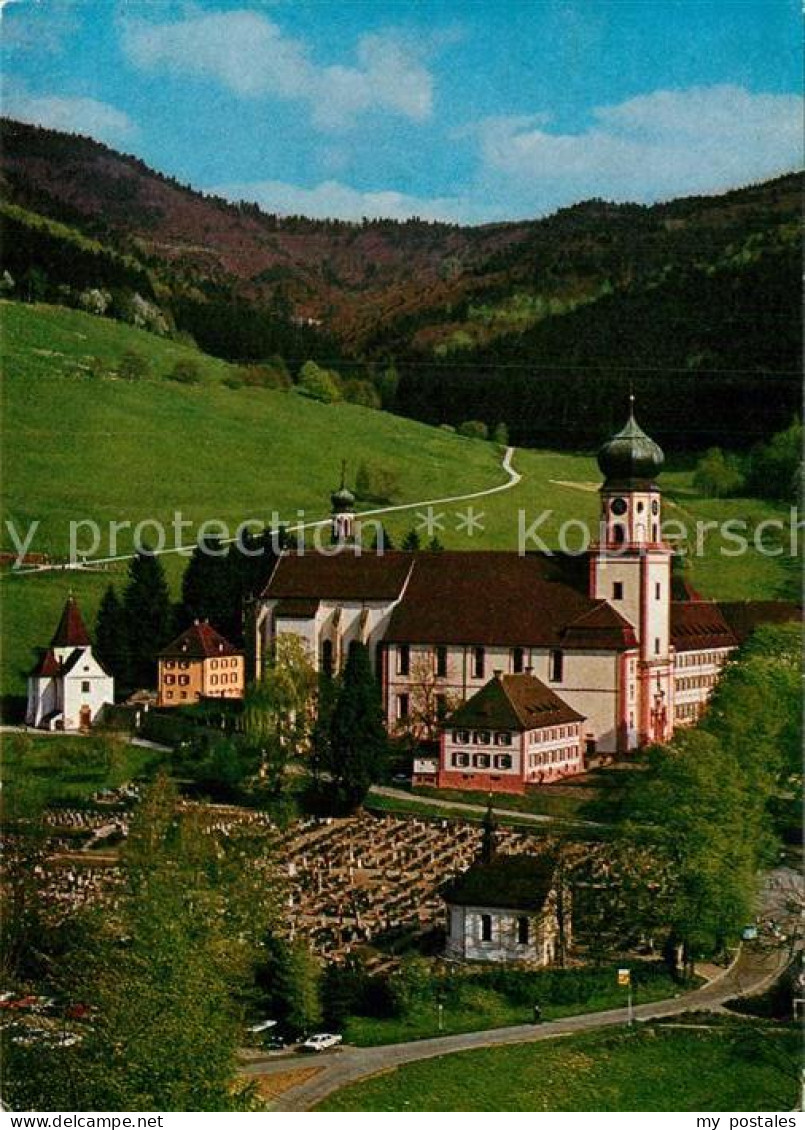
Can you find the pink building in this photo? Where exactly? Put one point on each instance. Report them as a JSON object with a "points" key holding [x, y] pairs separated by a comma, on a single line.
{"points": [[513, 732]]}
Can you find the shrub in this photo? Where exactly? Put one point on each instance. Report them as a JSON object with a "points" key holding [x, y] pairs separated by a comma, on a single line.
{"points": [[474, 429], [133, 366], [319, 384], [186, 371], [361, 392]]}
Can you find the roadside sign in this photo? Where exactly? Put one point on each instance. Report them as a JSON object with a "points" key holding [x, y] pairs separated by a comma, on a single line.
{"points": [[624, 977]]}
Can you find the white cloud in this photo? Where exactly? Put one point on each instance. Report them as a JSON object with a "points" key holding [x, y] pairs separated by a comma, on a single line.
{"points": [[333, 200], [652, 147], [28, 28], [249, 54], [74, 115]]}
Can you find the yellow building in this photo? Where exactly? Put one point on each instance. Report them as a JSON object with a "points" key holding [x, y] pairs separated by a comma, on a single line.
{"points": [[198, 664]]}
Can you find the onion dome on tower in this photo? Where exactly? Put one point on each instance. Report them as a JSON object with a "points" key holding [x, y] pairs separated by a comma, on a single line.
{"points": [[630, 459], [343, 509]]}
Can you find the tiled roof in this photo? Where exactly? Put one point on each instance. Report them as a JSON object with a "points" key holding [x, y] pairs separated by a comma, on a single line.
{"points": [[345, 575], [513, 882], [744, 616], [46, 666], [682, 589], [200, 641], [71, 631], [71, 661], [699, 624], [487, 598], [299, 607], [513, 702], [602, 628]]}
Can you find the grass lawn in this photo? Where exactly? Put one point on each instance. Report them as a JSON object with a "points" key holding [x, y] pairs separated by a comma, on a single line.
{"points": [[478, 1007], [66, 768], [80, 443], [651, 1069], [417, 807], [540, 803]]}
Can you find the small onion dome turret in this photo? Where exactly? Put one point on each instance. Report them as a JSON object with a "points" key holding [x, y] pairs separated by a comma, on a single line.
{"points": [[343, 500], [630, 457]]}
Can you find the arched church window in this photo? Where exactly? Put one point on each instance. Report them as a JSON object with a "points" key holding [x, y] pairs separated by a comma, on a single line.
{"points": [[618, 534]]}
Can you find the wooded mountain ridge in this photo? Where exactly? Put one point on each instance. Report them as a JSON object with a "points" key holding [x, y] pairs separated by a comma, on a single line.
{"points": [[540, 323]]}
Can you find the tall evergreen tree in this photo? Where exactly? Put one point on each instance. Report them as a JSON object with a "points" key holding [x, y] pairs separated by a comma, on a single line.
{"points": [[210, 589], [149, 616], [358, 736], [411, 542], [111, 637]]}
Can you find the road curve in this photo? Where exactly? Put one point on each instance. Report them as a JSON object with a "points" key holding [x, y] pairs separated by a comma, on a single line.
{"points": [[479, 809], [755, 968], [513, 478]]}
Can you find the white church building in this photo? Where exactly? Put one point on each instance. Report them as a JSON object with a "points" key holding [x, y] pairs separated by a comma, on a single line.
{"points": [[68, 686]]}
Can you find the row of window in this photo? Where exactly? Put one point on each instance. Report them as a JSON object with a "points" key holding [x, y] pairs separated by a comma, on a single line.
{"points": [[214, 663], [481, 737], [619, 533], [688, 710], [695, 682], [183, 680], [557, 734], [482, 761], [553, 756], [181, 663], [170, 694], [225, 678], [700, 658], [523, 929], [479, 662]]}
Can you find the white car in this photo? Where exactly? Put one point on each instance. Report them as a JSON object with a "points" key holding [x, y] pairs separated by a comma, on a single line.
{"points": [[321, 1041]]}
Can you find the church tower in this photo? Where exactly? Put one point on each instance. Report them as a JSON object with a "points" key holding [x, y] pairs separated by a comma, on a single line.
{"points": [[631, 569], [342, 516]]}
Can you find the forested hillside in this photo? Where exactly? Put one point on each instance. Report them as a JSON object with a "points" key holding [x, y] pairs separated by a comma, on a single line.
{"points": [[542, 325]]}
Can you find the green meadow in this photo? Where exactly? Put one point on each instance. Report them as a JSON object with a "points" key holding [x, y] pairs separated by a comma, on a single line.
{"points": [[81, 443], [661, 1068]]}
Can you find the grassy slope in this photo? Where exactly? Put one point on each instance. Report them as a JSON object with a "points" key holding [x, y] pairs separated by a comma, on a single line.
{"points": [[656, 1069], [481, 1007], [80, 446], [64, 768]]}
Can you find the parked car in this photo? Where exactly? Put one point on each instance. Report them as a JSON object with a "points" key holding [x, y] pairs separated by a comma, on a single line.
{"points": [[321, 1042]]}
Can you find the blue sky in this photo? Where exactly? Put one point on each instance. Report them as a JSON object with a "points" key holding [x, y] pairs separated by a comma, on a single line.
{"points": [[470, 111]]}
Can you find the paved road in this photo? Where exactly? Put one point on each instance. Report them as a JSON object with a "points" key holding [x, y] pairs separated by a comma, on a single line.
{"points": [[756, 967], [512, 479], [463, 806]]}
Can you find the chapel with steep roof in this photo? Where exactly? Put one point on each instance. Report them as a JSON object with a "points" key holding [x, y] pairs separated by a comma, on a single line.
{"points": [[68, 686]]}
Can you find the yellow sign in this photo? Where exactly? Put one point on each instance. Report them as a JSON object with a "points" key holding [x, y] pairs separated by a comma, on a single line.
{"points": [[624, 976]]}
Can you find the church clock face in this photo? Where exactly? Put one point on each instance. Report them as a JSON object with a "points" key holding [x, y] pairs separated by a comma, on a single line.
{"points": [[619, 506]]}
